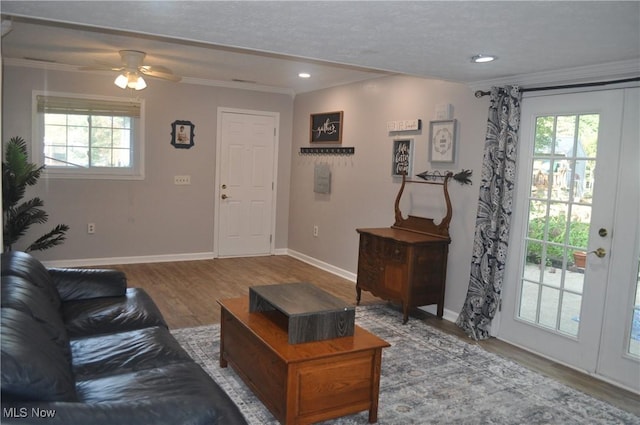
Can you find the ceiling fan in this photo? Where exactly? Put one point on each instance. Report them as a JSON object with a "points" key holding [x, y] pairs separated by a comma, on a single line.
{"points": [[132, 70]]}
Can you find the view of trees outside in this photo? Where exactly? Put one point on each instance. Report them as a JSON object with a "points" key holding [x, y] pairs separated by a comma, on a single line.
{"points": [[87, 141], [562, 187], [564, 160]]}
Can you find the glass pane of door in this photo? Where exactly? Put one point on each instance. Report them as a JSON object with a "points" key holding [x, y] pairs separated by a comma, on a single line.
{"points": [[563, 164], [634, 334]]}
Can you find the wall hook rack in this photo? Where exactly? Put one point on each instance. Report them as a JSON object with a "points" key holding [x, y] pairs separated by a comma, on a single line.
{"points": [[328, 151]]}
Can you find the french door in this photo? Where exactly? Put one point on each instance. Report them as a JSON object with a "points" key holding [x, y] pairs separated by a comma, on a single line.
{"points": [[245, 200], [571, 287]]}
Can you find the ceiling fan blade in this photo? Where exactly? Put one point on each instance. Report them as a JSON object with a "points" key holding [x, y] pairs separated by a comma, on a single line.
{"points": [[101, 68], [151, 72]]}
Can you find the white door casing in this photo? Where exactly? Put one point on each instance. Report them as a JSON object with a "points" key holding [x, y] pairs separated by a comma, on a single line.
{"points": [[245, 189]]}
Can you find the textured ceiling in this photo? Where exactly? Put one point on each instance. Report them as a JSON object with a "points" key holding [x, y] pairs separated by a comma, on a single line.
{"points": [[269, 42]]}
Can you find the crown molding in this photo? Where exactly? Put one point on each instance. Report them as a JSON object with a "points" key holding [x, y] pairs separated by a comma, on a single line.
{"points": [[238, 85], [582, 74], [53, 66]]}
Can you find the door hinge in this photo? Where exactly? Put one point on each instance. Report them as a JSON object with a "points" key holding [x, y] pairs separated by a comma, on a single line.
{"points": [[499, 305], [272, 185], [274, 132], [270, 238]]}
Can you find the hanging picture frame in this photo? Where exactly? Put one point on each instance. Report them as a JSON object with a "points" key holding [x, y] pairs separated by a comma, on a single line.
{"points": [[182, 134], [402, 158], [326, 127], [442, 141]]}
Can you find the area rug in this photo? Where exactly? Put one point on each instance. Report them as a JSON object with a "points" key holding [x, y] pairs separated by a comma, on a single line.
{"points": [[430, 377]]}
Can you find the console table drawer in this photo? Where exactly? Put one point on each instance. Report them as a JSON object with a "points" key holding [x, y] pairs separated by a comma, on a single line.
{"points": [[401, 265]]}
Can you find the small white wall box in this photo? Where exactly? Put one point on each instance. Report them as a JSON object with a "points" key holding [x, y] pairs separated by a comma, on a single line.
{"points": [[444, 111], [322, 178]]}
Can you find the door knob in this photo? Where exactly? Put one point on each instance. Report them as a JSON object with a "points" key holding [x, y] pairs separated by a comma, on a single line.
{"points": [[224, 196], [600, 252]]}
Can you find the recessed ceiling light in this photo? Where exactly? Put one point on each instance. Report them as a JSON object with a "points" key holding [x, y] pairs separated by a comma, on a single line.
{"points": [[483, 58], [304, 75]]}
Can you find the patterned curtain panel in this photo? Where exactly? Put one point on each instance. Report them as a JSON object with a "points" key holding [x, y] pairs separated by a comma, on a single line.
{"points": [[494, 213]]}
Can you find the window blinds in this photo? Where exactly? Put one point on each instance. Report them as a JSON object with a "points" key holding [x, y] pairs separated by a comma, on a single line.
{"points": [[81, 106]]}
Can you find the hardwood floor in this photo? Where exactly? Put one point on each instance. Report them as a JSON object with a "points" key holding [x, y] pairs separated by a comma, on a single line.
{"points": [[186, 293]]}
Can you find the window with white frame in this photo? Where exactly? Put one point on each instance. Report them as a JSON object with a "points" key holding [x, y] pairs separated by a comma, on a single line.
{"points": [[89, 137]]}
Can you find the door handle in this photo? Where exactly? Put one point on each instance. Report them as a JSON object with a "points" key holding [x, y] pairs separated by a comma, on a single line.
{"points": [[225, 196], [600, 252]]}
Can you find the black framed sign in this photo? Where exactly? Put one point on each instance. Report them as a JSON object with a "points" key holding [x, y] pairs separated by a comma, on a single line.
{"points": [[326, 127], [402, 157], [182, 134]]}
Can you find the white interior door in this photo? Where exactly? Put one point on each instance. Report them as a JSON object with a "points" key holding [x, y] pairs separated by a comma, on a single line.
{"points": [[245, 183], [576, 191]]}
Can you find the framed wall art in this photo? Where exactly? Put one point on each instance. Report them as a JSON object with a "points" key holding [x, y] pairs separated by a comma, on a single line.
{"points": [[402, 158], [326, 127], [182, 134], [442, 141]]}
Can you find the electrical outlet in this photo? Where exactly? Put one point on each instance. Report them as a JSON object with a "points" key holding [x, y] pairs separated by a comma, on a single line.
{"points": [[182, 180], [91, 228], [315, 231]]}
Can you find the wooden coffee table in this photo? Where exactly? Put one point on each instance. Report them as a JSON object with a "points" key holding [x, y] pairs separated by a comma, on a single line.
{"points": [[300, 383]]}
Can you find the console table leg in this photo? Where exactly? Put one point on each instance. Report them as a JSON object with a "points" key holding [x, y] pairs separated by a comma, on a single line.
{"points": [[223, 361], [405, 314], [358, 294]]}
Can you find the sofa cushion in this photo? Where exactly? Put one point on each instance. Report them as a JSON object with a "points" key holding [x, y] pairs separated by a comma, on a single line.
{"points": [[20, 294], [16, 263], [135, 310], [178, 381], [33, 366], [77, 284], [125, 352]]}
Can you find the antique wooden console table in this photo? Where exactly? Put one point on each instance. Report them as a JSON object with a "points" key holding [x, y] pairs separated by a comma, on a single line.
{"points": [[308, 382], [406, 262]]}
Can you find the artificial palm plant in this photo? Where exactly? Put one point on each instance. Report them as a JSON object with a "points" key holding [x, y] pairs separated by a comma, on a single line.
{"points": [[17, 174]]}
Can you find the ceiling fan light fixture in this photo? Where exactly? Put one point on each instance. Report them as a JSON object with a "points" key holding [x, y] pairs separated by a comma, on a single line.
{"points": [[130, 80], [139, 83], [483, 58], [121, 81]]}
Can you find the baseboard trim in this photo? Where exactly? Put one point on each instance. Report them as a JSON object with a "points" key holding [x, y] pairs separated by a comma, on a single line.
{"points": [[108, 261], [322, 265], [448, 315]]}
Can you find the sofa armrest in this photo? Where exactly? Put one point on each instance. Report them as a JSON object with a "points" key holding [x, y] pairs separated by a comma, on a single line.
{"points": [[80, 284]]}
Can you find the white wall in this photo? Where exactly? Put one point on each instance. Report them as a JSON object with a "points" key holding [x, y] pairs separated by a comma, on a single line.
{"points": [[362, 188], [152, 217]]}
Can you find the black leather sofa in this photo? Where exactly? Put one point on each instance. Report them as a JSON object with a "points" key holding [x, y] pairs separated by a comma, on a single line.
{"points": [[79, 347]]}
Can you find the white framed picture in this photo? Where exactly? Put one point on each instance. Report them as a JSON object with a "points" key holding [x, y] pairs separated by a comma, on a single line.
{"points": [[442, 141]]}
